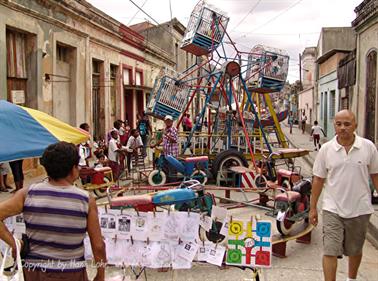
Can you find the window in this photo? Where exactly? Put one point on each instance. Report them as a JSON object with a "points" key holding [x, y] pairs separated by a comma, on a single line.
{"points": [[127, 76], [321, 104], [16, 59], [332, 104], [138, 78], [62, 53], [113, 88]]}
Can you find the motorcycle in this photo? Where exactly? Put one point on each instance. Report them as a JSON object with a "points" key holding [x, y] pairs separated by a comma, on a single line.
{"points": [[188, 168], [292, 206]]}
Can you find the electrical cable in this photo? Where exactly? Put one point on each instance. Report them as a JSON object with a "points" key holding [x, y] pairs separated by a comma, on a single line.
{"points": [[132, 18], [249, 12]]}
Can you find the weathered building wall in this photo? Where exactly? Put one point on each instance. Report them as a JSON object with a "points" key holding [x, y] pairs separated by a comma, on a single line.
{"points": [[366, 26], [330, 64]]}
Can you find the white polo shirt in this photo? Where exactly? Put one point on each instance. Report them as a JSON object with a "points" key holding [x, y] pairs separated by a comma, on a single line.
{"points": [[346, 190]]}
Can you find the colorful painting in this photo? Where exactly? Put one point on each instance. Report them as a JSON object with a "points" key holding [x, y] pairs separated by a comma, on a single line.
{"points": [[249, 243]]}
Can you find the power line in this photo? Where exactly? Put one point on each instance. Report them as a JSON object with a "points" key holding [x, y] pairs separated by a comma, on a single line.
{"points": [[132, 18], [273, 19], [249, 12], [144, 12]]}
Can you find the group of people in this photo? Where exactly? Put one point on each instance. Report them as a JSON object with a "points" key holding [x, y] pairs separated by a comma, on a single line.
{"points": [[121, 144], [316, 129]]}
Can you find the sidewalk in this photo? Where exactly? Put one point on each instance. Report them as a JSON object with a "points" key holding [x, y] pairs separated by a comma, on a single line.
{"points": [[299, 140]]}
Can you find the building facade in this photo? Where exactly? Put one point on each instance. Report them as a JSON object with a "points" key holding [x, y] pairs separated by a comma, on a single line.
{"points": [[365, 100], [306, 97], [333, 45]]}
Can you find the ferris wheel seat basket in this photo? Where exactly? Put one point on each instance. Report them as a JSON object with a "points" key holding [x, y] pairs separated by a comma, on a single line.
{"points": [[168, 98]]}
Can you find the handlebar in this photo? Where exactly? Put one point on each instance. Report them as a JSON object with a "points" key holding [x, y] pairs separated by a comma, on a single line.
{"points": [[270, 155]]}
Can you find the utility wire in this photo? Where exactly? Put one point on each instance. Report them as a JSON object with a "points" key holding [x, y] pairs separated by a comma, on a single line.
{"points": [[272, 19], [133, 17], [144, 12], [249, 12]]}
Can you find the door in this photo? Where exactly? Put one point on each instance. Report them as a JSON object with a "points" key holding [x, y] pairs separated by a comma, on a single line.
{"points": [[371, 89], [129, 100]]}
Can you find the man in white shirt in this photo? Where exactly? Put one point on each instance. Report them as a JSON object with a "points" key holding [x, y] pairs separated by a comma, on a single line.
{"points": [[315, 133], [343, 166]]}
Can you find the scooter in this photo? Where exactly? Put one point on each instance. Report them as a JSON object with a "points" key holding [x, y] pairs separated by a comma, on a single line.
{"points": [[189, 168], [292, 207]]}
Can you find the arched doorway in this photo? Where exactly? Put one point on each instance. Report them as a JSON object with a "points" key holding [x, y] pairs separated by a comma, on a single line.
{"points": [[371, 90]]}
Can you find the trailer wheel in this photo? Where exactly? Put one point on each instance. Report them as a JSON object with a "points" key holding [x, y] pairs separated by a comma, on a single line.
{"points": [[156, 178], [226, 159]]}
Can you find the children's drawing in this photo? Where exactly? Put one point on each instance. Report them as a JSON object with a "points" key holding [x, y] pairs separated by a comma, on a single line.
{"points": [[216, 254], [249, 243], [187, 250], [161, 255], [190, 225], [88, 255], [171, 228], [124, 221], [139, 226], [156, 223], [108, 221], [177, 261]]}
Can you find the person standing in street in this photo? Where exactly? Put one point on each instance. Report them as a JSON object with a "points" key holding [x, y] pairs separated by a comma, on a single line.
{"points": [[303, 122], [291, 121], [145, 129], [343, 166], [315, 133], [57, 217], [18, 173]]}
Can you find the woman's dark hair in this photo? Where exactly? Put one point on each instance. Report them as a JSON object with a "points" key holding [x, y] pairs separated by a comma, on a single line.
{"points": [[132, 131], [59, 159], [84, 126]]}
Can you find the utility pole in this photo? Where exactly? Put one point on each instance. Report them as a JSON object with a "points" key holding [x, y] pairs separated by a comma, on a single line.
{"points": [[300, 73]]}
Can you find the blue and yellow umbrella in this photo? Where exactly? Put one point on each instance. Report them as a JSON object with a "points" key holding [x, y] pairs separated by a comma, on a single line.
{"points": [[25, 132]]}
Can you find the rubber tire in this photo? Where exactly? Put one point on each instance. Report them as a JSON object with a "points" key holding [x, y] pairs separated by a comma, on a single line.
{"points": [[200, 173], [286, 185], [264, 180], [284, 227], [98, 191], [154, 173], [226, 155]]}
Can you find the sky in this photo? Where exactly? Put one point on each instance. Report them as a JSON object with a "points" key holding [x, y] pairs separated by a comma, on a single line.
{"points": [[291, 25]]}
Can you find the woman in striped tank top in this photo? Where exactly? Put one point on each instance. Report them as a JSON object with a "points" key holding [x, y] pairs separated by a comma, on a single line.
{"points": [[57, 217]]}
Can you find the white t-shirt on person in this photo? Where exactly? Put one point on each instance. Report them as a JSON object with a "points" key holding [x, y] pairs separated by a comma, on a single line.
{"points": [[112, 150], [317, 130], [346, 190]]}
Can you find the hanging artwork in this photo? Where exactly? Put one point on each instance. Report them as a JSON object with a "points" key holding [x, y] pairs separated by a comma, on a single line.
{"points": [[249, 243]]}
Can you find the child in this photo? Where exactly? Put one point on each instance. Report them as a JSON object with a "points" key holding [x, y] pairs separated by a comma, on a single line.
{"points": [[315, 133], [291, 121], [113, 150], [102, 161]]}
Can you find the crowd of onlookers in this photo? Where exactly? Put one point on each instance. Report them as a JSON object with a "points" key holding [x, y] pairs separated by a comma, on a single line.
{"points": [[118, 146]]}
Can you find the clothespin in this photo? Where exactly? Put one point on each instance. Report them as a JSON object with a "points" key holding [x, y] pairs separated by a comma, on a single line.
{"points": [[216, 245], [137, 212], [169, 211], [106, 209], [121, 210], [257, 217], [148, 240], [252, 219], [154, 212], [115, 238], [188, 212], [132, 240], [230, 219], [179, 241]]}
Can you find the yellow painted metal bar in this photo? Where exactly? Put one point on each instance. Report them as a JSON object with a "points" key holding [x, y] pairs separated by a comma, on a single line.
{"points": [[280, 134]]}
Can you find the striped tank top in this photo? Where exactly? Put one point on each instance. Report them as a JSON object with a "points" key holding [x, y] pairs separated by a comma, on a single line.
{"points": [[56, 223]]}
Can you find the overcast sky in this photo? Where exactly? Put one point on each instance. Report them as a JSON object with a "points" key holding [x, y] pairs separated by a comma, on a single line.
{"points": [[286, 24]]}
